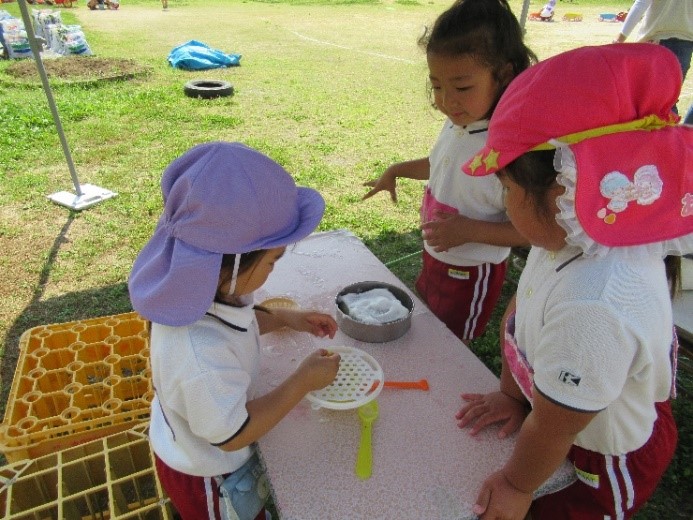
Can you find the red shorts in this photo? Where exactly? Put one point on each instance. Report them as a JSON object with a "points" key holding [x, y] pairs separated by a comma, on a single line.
{"points": [[462, 297], [195, 498], [613, 487]]}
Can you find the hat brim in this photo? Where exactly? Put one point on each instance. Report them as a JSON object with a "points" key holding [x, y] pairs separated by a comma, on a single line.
{"points": [[311, 207], [487, 161]]}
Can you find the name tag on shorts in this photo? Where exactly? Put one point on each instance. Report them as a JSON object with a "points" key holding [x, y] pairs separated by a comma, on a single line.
{"points": [[458, 274], [587, 478]]}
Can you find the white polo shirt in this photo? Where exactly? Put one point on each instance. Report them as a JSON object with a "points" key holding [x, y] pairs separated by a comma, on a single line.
{"points": [[202, 375], [479, 198], [598, 335]]}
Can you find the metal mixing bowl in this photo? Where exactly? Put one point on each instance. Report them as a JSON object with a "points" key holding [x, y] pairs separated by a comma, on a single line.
{"points": [[368, 332]]}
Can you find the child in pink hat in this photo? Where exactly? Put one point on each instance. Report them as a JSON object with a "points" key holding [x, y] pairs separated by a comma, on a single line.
{"points": [[599, 178], [229, 213]]}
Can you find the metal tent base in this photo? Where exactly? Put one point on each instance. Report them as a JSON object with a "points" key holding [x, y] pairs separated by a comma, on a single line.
{"points": [[90, 195]]}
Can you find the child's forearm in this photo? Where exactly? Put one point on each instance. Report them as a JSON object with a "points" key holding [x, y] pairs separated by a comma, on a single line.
{"points": [[536, 457], [269, 321], [417, 169], [266, 411], [507, 383], [501, 234], [545, 438]]}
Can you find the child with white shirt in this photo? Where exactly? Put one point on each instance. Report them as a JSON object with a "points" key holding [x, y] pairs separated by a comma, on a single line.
{"points": [[229, 213], [604, 194], [474, 50]]}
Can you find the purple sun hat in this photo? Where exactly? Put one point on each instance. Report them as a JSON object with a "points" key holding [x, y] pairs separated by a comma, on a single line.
{"points": [[219, 198]]}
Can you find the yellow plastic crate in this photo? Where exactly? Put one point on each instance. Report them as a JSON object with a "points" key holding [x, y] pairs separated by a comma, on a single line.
{"points": [[109, 478], [76, 382]]}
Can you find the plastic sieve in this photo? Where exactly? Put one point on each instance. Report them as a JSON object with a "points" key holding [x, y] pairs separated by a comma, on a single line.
{"points": [[359, 381]]}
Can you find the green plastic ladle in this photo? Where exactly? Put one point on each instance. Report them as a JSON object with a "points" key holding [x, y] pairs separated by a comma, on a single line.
{"points": [[364, 460]]}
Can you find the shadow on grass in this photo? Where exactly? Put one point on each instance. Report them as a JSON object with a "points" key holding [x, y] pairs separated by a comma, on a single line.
{"points": [[92, 303], [400, 252]]}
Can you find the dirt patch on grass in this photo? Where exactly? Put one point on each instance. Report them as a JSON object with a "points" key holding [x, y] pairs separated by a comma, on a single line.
{"points": [[76, 69]]}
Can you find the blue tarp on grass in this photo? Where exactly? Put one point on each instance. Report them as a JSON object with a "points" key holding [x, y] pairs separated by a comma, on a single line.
{"points": [[195, 55]]}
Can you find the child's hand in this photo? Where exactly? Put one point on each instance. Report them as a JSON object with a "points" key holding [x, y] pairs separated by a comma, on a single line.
{"points": [[318, 369], [482, 410], [387, 181], [500, 500], [316, 323], [447, 231]]}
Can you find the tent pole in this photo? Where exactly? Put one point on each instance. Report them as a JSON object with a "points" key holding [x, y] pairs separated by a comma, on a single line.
{"points": [[523, 16], [95, 194], [36, 50]]}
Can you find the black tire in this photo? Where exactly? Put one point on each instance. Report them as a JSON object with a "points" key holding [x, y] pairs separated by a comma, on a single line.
{"points": [[208, 88]]}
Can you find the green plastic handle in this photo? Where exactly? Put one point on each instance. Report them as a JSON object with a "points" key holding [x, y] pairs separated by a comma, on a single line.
{"points": [[364, 459]]}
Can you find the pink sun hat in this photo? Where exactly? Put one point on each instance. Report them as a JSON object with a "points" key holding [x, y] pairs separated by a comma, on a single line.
{"points": [[607, 109], [219, 198]]}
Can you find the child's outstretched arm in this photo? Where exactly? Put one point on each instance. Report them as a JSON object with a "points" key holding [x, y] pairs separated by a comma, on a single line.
{"points": [[418, 169], [450, 230], [509, 406], [316, 371], [317, 323], [542, 445]]}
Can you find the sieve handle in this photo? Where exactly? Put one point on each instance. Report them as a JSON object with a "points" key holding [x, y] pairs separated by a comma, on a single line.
{"points": [[364, 459], [408, 385]]}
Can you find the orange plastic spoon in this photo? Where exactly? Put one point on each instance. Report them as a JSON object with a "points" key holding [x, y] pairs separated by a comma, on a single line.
{"points": [[408, 385]]}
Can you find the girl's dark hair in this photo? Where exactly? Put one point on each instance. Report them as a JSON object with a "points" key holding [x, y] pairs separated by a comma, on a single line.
{"points": [[485, 29], [535, 173], [246, 262]]}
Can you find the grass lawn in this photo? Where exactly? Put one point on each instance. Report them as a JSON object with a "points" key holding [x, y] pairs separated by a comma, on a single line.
{"points": [[333, 90]]}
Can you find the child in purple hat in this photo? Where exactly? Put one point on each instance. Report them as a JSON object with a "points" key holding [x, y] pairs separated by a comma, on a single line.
{"points": [[229, 212], [599, 178]]}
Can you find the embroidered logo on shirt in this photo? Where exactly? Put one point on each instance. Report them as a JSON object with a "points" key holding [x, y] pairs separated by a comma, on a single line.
{"points": [[458, 275], [568, 378]]}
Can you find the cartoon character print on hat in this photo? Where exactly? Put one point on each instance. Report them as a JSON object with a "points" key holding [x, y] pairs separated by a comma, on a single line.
{"points": [[634, 198], [645, 188]]}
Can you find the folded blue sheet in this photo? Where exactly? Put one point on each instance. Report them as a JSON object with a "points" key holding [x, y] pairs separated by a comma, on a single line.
{"points": [[195, 55]]}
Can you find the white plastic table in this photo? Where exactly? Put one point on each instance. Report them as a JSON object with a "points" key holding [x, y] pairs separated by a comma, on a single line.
{"points": [[424, 466]]}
